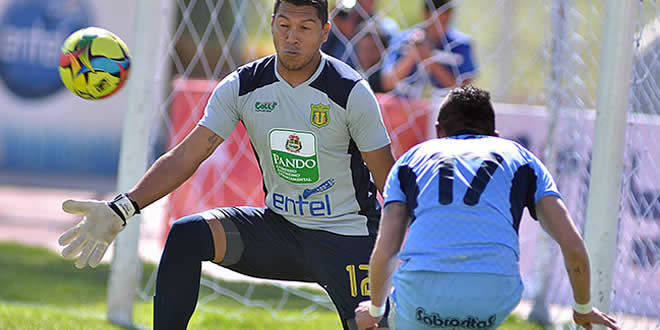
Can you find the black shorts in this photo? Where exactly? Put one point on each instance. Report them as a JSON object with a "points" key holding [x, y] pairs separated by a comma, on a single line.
{"points": [[274, 248]]}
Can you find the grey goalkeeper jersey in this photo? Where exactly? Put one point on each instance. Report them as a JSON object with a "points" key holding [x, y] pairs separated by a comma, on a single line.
{"points": [[307, 141]]}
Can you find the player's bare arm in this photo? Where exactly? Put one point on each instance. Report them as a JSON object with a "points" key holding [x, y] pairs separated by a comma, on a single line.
{"points": [[556, 221], [383, 262], [379, 162], [175, 166], [89, 239]]}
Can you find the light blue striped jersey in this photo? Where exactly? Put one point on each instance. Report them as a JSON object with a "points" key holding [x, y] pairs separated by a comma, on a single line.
{"points": [[466, 196]]}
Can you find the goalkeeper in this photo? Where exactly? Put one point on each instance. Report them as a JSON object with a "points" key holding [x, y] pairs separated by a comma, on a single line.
{"points": [[315, 126], [462, 197]]}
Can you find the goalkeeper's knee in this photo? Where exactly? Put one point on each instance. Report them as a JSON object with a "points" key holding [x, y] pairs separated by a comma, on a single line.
{"points": [[190, 238], [177, 286]]}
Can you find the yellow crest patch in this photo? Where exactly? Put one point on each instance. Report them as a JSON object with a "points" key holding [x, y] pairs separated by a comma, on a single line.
{"points": [[320, 115]]}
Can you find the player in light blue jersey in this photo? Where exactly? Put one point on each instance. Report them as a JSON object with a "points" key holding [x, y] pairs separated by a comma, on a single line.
{"points": [[461, 197]]}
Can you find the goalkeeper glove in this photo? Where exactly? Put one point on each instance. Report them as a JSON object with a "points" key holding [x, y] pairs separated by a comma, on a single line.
{"points": [[102, 221]]}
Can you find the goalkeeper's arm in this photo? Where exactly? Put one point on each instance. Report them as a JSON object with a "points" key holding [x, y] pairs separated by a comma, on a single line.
{"points": [[175, 167], [88, 240], [557, 222]]}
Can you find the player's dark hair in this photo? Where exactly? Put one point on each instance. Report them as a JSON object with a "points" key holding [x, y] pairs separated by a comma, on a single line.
{"points": [[320, 5], [433, 5], [467, 108]]}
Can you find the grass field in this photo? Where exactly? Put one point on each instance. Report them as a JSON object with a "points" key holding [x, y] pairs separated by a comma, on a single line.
{"points": [[40, 290]]}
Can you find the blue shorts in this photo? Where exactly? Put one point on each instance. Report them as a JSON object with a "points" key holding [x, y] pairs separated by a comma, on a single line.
{"points": [[432, 300]]}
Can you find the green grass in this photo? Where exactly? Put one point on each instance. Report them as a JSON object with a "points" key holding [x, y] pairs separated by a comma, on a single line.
{"points": [[40, 290]]}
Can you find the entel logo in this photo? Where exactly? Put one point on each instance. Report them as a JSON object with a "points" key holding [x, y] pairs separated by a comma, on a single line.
{"points": [[302, 207], [31, 34]]}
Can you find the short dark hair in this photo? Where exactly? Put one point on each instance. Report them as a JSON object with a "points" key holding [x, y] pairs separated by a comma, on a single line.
{"points": [[433, 5], [320, 5], [467, 108]]}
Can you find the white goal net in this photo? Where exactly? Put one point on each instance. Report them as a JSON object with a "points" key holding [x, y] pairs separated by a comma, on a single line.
{"points": [[540, 60]]}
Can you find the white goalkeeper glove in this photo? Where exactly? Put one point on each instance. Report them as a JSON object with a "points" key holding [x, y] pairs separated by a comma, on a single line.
{"points": [[90, 238]]}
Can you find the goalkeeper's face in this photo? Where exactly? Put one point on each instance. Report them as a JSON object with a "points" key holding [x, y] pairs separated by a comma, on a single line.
{"points": [[298, 34]]}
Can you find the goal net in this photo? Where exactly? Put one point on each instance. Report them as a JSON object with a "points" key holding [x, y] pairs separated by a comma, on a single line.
{"points": [[539, 59]]}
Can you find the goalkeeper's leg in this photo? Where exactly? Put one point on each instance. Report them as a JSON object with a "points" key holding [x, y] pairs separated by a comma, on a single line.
{"points": [[189, 242]]}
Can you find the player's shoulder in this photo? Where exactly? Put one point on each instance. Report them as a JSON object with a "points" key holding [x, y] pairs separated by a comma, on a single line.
{"points": [[511, 150], [256, 74], [509, 143], [422, 150], [337, 79], [458, 144], [335, 68], [502, 145]]}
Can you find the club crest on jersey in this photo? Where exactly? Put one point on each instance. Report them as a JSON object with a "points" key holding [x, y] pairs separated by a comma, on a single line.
{"points": [[320, 115], [293, 143]]}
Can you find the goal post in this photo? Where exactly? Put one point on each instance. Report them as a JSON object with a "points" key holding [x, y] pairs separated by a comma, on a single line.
{"points": [[604, 205], [143, 89]]}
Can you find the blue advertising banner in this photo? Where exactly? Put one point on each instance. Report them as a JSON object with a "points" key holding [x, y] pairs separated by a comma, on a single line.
{"points": [[44, 128]]}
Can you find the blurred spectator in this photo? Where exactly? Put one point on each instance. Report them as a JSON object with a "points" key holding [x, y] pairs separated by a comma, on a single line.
{"points": [[434, 54], [366, 11], [345, 19], [371, 43], [342, 27]]}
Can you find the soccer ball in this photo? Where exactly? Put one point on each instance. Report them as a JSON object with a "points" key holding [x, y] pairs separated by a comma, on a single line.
{"points": [[94, 63]]}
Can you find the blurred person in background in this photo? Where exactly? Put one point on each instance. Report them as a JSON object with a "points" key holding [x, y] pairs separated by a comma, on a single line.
{"points": [[348, 18], [367, 11], [371, 44], [461, 199], [434, 54], [344, 22]]}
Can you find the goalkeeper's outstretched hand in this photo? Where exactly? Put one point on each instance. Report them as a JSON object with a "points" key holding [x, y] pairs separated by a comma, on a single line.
{"points": [[89, 239]]}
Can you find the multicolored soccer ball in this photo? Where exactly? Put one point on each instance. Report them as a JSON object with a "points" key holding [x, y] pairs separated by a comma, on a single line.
{"points": [[94, 63]]}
